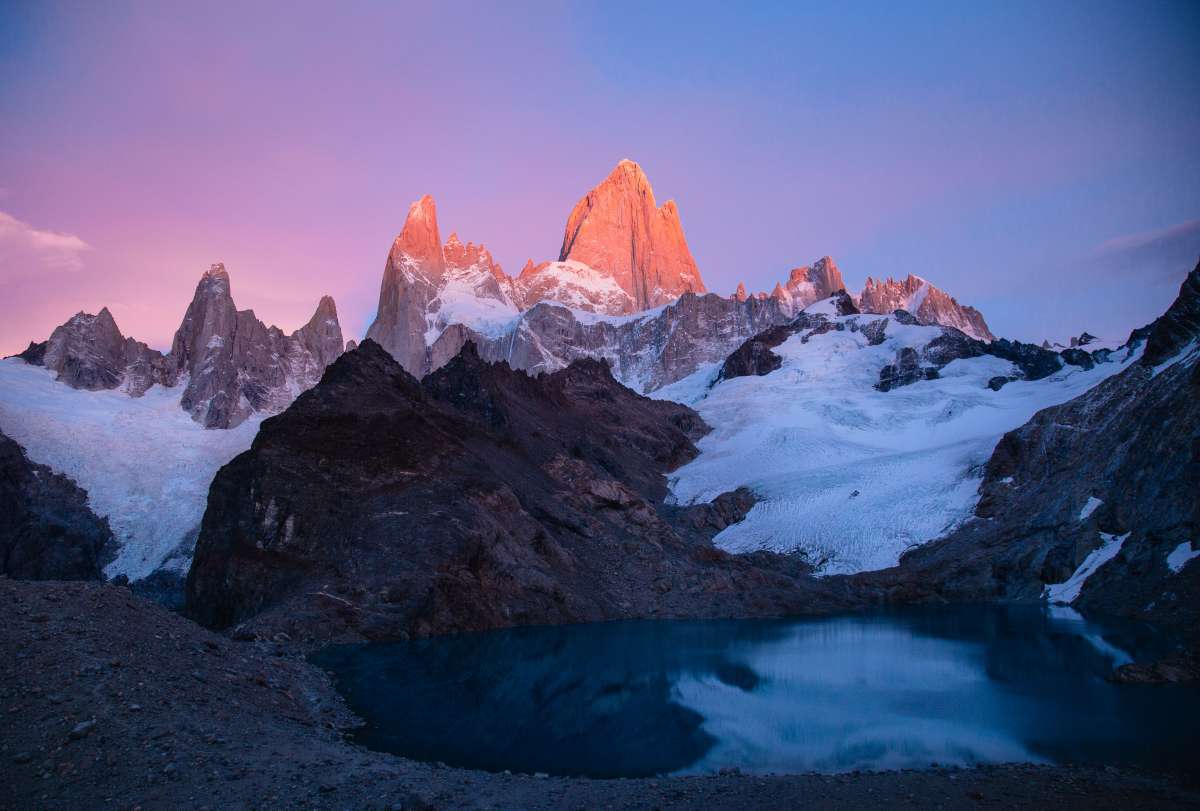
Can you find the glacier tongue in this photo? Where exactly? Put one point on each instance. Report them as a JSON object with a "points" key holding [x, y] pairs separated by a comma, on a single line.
{"points": [[144, 462], [849, 475]]}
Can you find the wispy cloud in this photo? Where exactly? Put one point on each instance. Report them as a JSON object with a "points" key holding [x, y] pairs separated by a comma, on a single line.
{"points": [[1166, 252], [28, 251]]}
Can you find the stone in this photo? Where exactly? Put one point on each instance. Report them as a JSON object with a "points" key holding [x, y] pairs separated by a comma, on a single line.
{"points": [[618, 229], [236, 365], [927, 303], [47, 530]]}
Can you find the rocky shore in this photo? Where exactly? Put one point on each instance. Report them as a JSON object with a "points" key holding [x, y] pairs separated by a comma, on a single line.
{"points": [[110, 701]]}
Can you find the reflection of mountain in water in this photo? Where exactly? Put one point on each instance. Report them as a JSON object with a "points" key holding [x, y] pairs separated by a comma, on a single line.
{"points": [[963, 685], [594, 699]]}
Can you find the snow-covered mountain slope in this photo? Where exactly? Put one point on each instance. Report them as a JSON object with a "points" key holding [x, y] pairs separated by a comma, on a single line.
{"points": [[574, 285], [144, 462], [848, 474]]}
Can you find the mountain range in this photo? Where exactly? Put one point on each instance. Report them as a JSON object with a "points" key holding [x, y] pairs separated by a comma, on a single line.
{"points": [[624, 287], [596, 437]]}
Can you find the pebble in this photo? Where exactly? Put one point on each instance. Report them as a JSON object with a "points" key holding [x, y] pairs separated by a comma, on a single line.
{"points": [[82, 729]]}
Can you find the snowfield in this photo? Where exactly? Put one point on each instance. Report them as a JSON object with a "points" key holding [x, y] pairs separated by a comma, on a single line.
{"points": [[846, 474], [144, 462]]}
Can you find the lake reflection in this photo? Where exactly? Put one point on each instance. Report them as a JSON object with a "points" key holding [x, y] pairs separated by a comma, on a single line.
{"points": [[957, 685]]}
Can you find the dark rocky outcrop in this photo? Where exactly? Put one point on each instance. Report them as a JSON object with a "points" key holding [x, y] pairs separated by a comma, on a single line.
{"points": [[905, 371], [381, 507], [1033, 361], [34, 354], [47, 531], [1178, 326], [843, 304], [754, 357]]}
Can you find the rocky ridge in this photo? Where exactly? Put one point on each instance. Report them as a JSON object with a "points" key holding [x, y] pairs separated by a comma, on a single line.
{"points": [[547, 507], [232, 364], [929, 304], [624, 287]]}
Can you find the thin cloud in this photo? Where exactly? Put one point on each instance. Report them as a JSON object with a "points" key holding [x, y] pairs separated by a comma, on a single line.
{"points": [[29, 251], [1168, 253]]}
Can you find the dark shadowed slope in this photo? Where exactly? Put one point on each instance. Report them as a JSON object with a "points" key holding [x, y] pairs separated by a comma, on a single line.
{"points": [[381, 507], [47, 531]]}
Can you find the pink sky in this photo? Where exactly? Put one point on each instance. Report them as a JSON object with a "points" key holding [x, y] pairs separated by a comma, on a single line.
{"points": [[993, 149]]}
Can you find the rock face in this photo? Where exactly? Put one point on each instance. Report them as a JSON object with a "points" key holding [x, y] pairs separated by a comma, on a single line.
{"points": [[1179, 326], [621, 255], [619, 230], [233, 363], [905, 371], [644, 352], [47, 531], [1113, 474], [754, 357], [89, 352], [34, 354], [928, 303], [236, 365], [381, 507], [808, 285], [427, 287]]}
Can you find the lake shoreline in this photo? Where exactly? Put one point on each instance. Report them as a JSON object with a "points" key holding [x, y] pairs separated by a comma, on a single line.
{"points": [[113, 701]]}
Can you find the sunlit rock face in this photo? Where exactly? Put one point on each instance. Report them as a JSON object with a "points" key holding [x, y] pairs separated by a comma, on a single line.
{"points": [[928, 303], [410, 281], [625, 287], [619, 230], [236, 365], [428, 286], [807, 285]]}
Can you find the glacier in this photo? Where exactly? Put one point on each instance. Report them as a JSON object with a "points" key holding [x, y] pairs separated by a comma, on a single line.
{"points": [[846, 474], [144, 462]]}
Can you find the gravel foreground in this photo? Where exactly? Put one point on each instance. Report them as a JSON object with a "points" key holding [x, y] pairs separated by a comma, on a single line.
{"points": [[110, 701]]}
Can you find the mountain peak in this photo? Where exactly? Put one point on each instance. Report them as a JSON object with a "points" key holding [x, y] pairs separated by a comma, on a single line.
{"points": [[326, 307], [618, 230], [419, 238]]}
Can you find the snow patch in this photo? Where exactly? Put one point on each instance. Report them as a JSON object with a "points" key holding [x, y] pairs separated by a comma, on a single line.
{"points": [[826, 306], [1180, 556], [1067, 592], [1089, 508]]}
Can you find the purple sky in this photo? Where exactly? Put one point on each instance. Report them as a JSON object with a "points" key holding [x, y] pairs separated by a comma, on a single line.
{"points": [[1039, 161]]}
